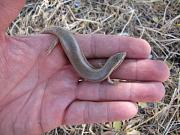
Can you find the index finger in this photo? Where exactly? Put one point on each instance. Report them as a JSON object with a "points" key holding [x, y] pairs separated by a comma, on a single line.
{"points": [[99, 45]]}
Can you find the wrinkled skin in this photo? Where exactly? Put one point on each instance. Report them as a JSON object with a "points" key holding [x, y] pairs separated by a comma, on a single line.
{"points": [[40, 92]]}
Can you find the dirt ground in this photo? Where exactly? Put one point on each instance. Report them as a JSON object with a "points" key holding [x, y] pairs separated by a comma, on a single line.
{"points": [[157, 21]]}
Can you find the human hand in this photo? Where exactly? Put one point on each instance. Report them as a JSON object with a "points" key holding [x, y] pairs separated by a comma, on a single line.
{"points": [[40, 92]]}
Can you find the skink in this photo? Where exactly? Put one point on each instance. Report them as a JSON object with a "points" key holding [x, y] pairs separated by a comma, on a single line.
{"points": [[79, 61]]}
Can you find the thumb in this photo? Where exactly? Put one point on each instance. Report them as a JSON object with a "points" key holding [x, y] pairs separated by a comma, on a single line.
{"points": [[9, 9]]}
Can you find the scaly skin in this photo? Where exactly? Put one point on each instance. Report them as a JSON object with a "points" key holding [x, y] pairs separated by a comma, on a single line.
{"points": [[79, 61]]}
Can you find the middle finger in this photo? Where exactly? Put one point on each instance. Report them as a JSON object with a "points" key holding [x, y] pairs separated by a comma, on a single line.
{"points": [[136, 92]]}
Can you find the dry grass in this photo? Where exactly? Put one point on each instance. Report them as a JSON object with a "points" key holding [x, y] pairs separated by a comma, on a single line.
{"points": [[157, 21]]}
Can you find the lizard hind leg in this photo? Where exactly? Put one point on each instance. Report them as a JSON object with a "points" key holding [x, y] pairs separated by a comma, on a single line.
{"points": [[52, 46]]}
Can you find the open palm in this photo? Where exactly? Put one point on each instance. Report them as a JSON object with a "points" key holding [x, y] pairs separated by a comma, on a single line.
{"points": [[40, 92]]}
